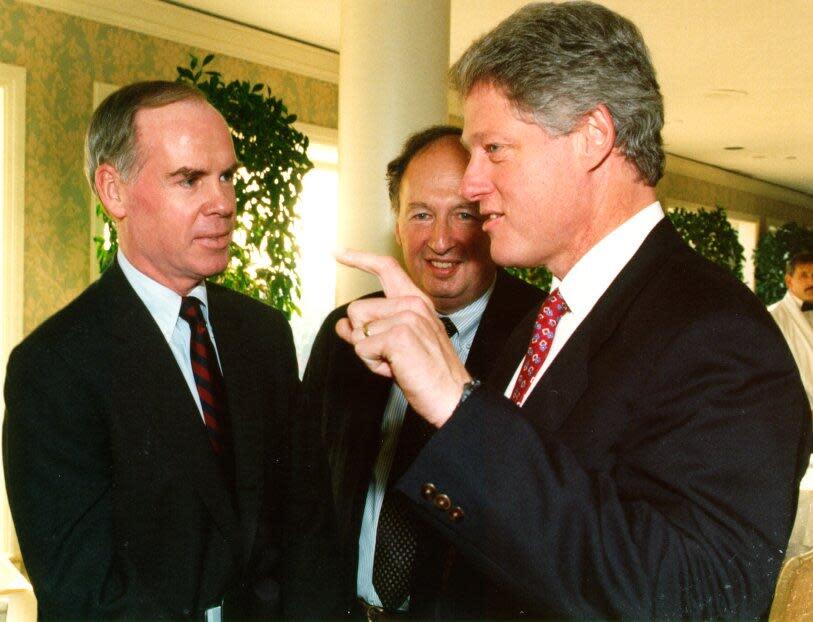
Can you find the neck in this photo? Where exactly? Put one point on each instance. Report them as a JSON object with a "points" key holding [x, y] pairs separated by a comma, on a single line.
{"points": [[616, 193]]}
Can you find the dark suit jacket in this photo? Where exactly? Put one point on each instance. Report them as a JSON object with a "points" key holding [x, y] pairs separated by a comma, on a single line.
{"points": [[346, 402], [120, 507], [652, 473]]}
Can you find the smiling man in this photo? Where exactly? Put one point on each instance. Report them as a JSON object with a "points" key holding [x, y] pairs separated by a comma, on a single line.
{"points": [[617, 470], [148, 427], [390, 563]]}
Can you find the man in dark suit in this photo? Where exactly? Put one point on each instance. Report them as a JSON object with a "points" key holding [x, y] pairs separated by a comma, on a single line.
{"points": [[363, 420], [641, 457], [148, 440]]}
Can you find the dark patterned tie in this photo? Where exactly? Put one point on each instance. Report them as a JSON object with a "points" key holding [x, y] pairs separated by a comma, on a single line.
{"points": [[553, 308], [396, 542], [208, 379]]}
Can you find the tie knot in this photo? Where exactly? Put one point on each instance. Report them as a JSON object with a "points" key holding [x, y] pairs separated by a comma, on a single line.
{"points": [[190, 310], [451, 329], [554, 305]]}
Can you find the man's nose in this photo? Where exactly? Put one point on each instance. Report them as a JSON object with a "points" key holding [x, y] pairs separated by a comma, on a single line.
{"points": [[222, 199], [441, 239], [475, 183]]}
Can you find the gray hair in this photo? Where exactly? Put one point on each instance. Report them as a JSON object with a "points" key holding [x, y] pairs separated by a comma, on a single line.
{"points": [[111, 137], [414, 145], [557, 62]]}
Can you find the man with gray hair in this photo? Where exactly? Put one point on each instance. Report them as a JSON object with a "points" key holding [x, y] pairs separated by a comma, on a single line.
{"points": [[149, 438], [619, 470]]}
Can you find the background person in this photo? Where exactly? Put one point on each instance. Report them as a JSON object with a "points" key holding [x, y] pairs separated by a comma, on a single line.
{"points": [[363, 419]]}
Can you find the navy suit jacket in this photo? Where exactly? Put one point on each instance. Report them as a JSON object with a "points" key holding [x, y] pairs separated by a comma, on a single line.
{"points": [[653, 471], [119, 504]]}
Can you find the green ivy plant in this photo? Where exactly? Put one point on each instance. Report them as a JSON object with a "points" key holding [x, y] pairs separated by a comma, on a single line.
{"points": [[540, 276], [774, 250], [711, 235], [273, 162]]}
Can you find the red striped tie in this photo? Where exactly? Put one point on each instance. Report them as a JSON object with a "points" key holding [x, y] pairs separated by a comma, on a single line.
{"points": [[208, 379]]}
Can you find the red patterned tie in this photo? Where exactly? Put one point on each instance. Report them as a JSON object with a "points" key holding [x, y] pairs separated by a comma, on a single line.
{"points": [[208, 379], [552, 309]]}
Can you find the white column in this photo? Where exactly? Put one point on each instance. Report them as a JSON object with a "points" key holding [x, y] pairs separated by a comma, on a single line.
{"points": [[394, 55]]}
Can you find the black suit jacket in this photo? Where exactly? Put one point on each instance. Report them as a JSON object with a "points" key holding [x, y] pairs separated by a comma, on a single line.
{"points": [[653, 471], [119, 504], [346, 403]]}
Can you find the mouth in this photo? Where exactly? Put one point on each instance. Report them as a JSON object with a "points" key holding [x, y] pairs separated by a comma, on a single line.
{"points": [[443, 267], [491, 220], [215, 241]]}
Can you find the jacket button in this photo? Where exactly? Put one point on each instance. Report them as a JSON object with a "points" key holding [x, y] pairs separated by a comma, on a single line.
{"points": [[442, 502], [428, 491], [456, 514]]}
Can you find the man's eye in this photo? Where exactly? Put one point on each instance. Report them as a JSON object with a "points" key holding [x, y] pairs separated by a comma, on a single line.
{"points": [[188, 182], [493, 147], [227, 177], [420, 216]]}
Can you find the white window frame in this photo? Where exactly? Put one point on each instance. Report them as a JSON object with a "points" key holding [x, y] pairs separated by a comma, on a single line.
{"points": [[12, 211]]}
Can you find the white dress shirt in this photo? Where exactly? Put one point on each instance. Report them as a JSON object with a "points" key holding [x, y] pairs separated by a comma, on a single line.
{"points": [[590, 277]]}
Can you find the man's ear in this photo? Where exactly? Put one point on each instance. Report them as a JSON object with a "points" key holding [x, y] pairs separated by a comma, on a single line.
{"points": [[109, 185], [788, 279], [596, 136]]}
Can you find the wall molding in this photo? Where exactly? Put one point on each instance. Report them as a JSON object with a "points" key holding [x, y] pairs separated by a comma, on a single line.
{"points": [[182, 25]]}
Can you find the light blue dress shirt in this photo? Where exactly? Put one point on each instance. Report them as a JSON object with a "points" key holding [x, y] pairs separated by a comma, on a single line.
{"points": [[466, 320]]}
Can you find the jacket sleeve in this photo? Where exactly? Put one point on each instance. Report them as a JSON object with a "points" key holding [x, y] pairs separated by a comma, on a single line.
{"points": [[57, 464], [686, 518]]}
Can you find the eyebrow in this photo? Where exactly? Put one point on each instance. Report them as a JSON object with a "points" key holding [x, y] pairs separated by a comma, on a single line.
{"points": [[186, 171]]}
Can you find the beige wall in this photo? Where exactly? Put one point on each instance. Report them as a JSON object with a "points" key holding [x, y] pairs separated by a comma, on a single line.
{"points": [[63, 56]]}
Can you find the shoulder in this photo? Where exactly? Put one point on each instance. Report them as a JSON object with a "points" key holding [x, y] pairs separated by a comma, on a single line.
{"points": [[234, 304], [77, 325]]}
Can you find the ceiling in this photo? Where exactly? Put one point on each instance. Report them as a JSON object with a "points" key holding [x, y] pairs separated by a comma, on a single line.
{"points": [[736, 75]]}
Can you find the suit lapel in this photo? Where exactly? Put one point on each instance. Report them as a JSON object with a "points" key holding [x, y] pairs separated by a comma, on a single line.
{"points": [[147, 384], [565, 381]]}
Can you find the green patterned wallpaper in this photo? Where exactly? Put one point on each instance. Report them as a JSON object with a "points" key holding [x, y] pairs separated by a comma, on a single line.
{"points": [[63, 56]]}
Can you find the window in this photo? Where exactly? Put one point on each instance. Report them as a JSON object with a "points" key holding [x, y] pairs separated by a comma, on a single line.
{"points": [[316, 232], [12, 156]]}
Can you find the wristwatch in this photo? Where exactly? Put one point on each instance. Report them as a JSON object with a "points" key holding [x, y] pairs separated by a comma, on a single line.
{"points": [[468, 389]]}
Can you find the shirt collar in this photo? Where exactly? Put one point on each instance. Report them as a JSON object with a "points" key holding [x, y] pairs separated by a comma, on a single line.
{"points": [[796, 300], [467, 319], [163, 304], [590, 277]]}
